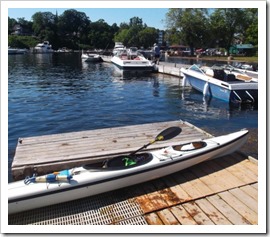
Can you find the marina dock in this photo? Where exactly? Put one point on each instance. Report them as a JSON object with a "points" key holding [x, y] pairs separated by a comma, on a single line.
{"points": [[222, 191], [49, 153]]}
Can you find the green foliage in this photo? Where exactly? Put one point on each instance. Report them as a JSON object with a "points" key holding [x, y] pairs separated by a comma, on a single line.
{"points": [[22, 41], [215, 28], [191, 23], [195, 27]]}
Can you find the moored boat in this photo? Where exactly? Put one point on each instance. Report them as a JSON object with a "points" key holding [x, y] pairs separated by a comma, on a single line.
{"points": [[90, 57], [126, 61], [118, 47], [44, 47], [215, 82], [16, 51], [118, 172]]}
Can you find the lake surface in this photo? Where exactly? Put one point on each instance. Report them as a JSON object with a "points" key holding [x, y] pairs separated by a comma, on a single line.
{"points": [[57, 93]]}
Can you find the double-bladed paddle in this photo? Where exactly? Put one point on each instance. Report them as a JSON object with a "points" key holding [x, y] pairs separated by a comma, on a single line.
{"points": [[164, 135]]}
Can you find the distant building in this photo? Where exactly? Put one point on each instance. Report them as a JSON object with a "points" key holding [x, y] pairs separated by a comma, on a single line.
{"points": [[160, 39], [19, 30], [242, 49]]}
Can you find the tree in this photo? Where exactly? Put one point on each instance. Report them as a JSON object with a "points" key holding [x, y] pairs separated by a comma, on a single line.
{"points": [[11, 23], [44, 26], [129, 34], [192, 24], [122, 36], [147, 37], [173, 36], [225, 23], [74, 25], [250, 33], [100, 34]]}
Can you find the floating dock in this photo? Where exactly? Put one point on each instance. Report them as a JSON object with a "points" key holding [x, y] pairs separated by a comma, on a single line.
{"points": [[222, 191], [49, 153]]}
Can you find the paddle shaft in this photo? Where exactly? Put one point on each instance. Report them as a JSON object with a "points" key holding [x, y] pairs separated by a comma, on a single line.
{"points": [[132, 153], [164, 135]]}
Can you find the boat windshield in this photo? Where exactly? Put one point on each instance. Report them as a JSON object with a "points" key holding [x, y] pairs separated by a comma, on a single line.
{"points": [[196, 68]]}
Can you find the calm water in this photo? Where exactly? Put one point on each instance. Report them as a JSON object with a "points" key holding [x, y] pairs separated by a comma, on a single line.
{"points": [[58, 93]]}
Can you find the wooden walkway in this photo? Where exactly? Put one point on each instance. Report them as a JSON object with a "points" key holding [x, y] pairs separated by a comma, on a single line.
{"points": [[222, 191], [217, 192]]}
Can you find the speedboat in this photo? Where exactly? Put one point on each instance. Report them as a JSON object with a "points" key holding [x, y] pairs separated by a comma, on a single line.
{"points": [[126, 61], [44, 47], [216, 82], [119, 172], [90, 57]]}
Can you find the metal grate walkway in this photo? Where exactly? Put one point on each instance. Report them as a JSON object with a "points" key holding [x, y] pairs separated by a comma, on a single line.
{"points": [[116, 207]]}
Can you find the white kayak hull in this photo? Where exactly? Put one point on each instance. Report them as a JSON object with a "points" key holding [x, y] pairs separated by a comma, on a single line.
{"points": [[89, 181]]}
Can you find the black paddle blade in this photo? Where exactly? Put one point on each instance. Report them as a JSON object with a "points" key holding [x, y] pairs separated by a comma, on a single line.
{"points": [[168, 133]]}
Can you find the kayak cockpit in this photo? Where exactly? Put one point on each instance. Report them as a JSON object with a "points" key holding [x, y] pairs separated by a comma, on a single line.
{"points": [[190, 146], [122, 162], [129, 161]]}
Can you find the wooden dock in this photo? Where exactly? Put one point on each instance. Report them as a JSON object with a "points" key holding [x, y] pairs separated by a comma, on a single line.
{"points": [[49, 153], [222, 191]]}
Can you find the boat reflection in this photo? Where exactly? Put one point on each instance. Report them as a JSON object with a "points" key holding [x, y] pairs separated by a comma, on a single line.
{"points": [[129, 74], [194, 101]]}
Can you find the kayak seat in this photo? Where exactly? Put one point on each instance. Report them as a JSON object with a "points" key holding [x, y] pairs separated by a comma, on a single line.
{"points": [[138, 159], [190, 146]]}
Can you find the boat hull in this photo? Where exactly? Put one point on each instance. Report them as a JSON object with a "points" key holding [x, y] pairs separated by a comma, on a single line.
{"points": [[222, 93], [91, 57], [126, 64], [237, 92], [88, 181]]}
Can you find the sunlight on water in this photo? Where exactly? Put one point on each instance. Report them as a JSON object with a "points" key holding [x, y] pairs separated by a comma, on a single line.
{"points": [[58, 93]]}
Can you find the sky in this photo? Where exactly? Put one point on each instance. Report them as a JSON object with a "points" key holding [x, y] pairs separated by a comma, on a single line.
{"points": [[152, 17]]}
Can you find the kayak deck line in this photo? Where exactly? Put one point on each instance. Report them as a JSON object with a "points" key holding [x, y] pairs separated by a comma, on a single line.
{"points": [[222, 191], [49, 153]]}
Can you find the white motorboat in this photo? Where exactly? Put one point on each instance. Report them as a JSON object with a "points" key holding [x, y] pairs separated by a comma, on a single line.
{"points": [[90, 57], [118, 47], [16, 51], [125, 61], [119, 172], [216, 82], [44, 47]]}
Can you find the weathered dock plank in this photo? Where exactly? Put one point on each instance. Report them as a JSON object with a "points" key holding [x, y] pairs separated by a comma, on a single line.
{"points": [[230, 213], [198, 215], [216, 217], [44, 154], [167, 217], [244, 210], [182, 215]]}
